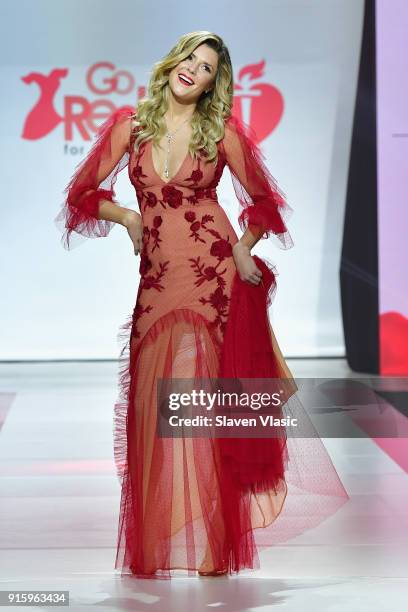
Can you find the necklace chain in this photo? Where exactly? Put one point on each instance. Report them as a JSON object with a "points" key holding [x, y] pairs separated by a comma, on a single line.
{"points": [[170, 137]]}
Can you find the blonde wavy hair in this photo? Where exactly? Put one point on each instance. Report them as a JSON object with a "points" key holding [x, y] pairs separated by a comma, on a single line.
{"points": [[212, 108]]}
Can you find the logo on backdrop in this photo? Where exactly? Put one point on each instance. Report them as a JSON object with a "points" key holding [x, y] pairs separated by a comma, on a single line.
{"points": [[256, 101]]}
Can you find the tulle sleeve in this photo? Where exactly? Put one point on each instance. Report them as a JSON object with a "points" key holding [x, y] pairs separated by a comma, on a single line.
{"points": [[94, 179], [263, 206]]}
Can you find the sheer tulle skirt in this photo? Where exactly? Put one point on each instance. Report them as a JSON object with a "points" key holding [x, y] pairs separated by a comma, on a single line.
{"points": [[170, 506], [183, 504]]}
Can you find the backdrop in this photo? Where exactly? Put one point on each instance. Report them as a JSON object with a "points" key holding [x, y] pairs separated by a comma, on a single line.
{"points": [[296, 64]]}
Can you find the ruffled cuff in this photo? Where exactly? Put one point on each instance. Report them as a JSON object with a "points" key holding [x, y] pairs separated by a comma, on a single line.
{"points": [[82, 217], [266, 221], [94, 179]]}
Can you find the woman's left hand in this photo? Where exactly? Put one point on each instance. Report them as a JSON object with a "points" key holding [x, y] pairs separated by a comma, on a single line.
{"points": [[247, 269]]}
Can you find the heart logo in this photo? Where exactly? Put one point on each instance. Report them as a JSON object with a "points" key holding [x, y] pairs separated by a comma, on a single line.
{"points": [[256, 103]]}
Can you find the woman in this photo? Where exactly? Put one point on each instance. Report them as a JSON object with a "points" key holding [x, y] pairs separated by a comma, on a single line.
{"points": [[191, 503]]}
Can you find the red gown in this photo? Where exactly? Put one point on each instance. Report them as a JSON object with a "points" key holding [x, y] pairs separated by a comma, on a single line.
{"points": [[194, 503]]}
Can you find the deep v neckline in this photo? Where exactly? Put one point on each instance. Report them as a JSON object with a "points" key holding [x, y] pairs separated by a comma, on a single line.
{"points": [[154, 168]]}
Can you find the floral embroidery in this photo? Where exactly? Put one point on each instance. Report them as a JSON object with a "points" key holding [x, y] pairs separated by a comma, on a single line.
{"points": [[195, 176], [199, 192], [151, 199], [145, 264], [195, 225], [137, 173], [154, 233], [147, 282], [173, 199], [192, 199], [221, 248], [137, 312], [209, 266], [172, 196], [153, 281], [207, 273], [204, 193], [190, 216], [218, 300], [145, 239], [157, 221]]}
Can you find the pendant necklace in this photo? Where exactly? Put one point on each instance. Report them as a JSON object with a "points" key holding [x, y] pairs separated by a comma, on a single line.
{"points": [[170, 136]]}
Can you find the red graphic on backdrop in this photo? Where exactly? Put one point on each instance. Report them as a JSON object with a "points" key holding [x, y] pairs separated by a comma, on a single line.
{"points": [[393, 344], [43, 117], [79, 113], [257, 103]]}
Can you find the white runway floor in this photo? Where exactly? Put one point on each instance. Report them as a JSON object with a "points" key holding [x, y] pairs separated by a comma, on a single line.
{"points": [[59, 499]]}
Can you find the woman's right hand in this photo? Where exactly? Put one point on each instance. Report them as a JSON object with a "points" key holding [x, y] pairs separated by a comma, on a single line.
{"points": [[134, 225]]}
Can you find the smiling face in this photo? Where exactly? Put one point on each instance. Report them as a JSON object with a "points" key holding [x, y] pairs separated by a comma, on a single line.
{"points": [[194, 74]]}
